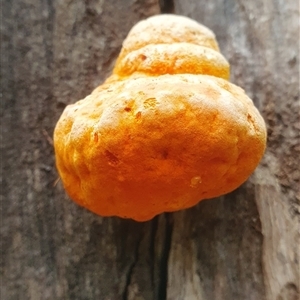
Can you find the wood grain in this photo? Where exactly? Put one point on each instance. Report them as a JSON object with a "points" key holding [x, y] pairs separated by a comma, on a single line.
{"points": [[242, 246]]}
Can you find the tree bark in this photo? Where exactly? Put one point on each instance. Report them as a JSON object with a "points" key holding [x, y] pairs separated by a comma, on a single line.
{"points": [[242, 246]]}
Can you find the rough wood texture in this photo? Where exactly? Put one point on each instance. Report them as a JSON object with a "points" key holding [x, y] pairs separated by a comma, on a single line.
{"points": [[241, 246]]}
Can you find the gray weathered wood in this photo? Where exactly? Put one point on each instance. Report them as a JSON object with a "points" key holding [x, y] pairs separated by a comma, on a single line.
{"points": [[242, 246]]}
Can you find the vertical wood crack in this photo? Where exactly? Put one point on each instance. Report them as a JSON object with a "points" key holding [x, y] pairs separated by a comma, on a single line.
{"points": [[163, 282], [131, 268], [166, 6]]}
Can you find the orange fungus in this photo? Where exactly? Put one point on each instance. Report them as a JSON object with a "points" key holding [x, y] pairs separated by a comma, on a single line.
{"points": [[164, 131]]}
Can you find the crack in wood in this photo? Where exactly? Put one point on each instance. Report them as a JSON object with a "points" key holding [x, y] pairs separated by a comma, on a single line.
{"points": [[158, 243], [163, 282], [166, 6], [131, 268], [154, 228]]}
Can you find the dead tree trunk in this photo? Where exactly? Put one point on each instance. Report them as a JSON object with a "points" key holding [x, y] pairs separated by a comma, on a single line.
{"points": [[238, 247]]}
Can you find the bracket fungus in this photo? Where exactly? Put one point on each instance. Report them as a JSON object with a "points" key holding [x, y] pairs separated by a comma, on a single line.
{"points": [[164, 131]]}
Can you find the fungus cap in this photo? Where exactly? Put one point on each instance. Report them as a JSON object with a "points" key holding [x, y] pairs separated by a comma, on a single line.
{"points": [[168, 29], [152, 139]]}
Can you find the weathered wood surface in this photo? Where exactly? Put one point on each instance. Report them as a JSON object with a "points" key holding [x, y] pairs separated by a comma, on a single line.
{"points": [[242, 246]]}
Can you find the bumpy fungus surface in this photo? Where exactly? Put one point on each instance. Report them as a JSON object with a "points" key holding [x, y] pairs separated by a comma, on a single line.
{"points": [[165, 131]]}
